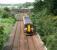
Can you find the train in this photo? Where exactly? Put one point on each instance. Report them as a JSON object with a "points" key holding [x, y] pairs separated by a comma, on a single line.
{"points": [[28, 26]]}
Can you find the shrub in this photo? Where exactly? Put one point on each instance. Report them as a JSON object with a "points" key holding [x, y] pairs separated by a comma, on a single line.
{"points": [[1, 37]]}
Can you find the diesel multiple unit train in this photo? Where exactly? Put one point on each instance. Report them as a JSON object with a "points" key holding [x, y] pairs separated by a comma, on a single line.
{"points": [[28, 26]]}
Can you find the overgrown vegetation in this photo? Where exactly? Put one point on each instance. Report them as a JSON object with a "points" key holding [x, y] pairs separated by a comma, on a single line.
{"points": [[44, 17], [6, 23]]}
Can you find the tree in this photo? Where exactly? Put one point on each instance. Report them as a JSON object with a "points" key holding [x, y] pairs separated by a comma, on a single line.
{"points": [[52, 6], [7, 9], [39, 5]]}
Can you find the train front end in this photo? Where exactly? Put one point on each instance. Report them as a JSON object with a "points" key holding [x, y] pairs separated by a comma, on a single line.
{"points": [[28, 26]]}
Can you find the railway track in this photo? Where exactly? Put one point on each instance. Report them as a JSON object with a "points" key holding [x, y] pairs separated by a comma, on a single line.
{"points": [[16, 38], [23, 42], [20, 41]]}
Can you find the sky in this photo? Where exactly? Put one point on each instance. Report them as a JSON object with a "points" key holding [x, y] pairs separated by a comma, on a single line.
{"points": [[14, 1]]}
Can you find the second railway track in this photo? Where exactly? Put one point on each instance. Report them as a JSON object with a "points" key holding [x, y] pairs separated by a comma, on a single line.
{"points": [[16, 37]]}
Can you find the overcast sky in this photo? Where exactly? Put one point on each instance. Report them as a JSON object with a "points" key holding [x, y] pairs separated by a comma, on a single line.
{"points": [[14, 1]]}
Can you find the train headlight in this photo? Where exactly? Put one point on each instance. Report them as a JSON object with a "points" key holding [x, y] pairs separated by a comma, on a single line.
{"points": [[32, 29], [25, 29]]}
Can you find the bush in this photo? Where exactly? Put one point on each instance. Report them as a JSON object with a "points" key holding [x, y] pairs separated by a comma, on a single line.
{"points": [[7, 20], [7, 24], [46, 26], [1, 37]]}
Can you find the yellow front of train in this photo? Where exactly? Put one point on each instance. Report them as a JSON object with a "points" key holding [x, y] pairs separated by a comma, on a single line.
{"points": [[28, 28]]}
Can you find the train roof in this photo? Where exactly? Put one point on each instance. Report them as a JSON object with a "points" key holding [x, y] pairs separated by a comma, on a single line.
{"points": [[27, 20]]}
